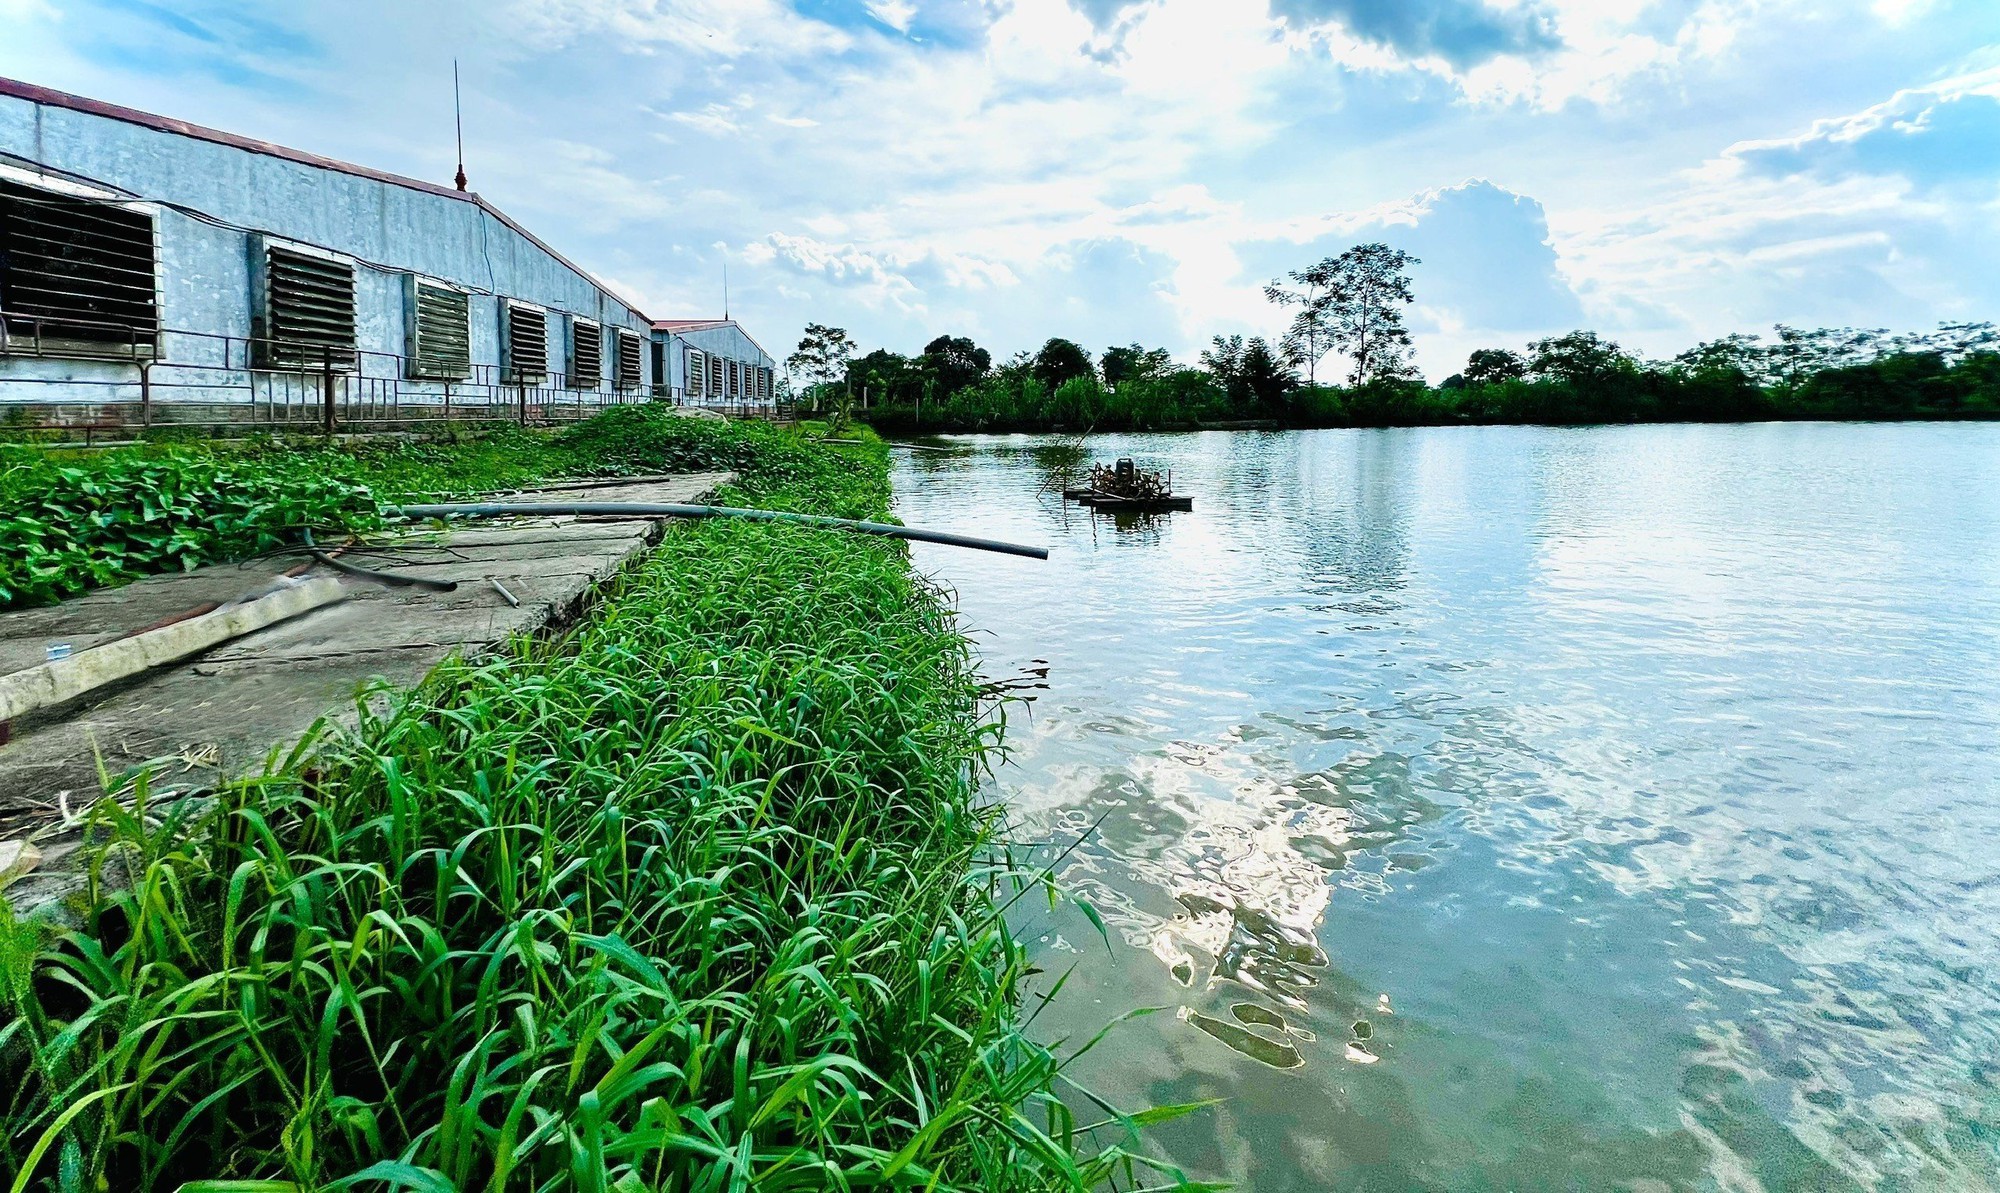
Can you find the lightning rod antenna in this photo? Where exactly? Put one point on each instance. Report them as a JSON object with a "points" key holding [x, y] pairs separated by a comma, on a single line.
{"points": [[458, 119]]}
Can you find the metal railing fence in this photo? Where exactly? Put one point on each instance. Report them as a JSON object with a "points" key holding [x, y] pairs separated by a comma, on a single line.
{"points": [[84, 380]]}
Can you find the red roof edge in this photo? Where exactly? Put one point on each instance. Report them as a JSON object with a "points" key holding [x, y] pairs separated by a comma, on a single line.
{"points": [[166, 124]]}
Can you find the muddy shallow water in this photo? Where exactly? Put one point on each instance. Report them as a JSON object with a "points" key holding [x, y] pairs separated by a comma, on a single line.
{"points": [[1516, 808]]}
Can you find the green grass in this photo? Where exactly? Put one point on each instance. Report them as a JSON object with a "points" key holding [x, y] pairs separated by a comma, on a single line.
{"points": [[698, 898]]}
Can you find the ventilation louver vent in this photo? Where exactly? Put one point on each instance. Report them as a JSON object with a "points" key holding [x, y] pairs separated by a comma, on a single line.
{"points": [[526, 351], [440, 332], [308, 311], [76, 275], [715, 364], [586, 354], [630, 373], [697, 373]]}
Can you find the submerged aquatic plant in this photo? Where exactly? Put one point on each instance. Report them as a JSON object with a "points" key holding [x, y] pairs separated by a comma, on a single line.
{"points": [[700, 897]]}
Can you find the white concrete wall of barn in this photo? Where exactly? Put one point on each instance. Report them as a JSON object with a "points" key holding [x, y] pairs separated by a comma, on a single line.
{"points": [[205, 275], [726, 342]]}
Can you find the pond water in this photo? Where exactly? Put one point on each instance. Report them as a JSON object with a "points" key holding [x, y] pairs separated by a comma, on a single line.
{"points": [[1517, 808]]}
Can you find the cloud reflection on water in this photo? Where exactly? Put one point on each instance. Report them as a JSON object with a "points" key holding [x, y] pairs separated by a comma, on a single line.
{"points": [[1646, 770]]}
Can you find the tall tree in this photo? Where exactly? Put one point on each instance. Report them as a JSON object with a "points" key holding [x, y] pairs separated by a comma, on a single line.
{"points": [[885, 378], [1251, 373], [1582, 358], [1133, 362], [1487, 366], [822, 354], [1729, 355], [1367, 288], [1116, 363], [1310, 336], [1958, 341], [1716, 379], [1799, 355], [953, 363], [1059, 360], [1795, 357], [821, 358], [1266, 376], [1224, 358]]}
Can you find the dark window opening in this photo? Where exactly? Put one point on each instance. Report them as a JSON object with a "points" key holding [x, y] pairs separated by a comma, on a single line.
{"points": [[77, 275]]}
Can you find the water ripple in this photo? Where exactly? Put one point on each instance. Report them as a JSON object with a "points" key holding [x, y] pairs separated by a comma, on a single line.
{"points": [[1521, 808]]}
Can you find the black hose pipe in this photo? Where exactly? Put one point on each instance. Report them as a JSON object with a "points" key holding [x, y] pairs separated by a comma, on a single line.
{"points": [[387, 579], [646, 509]]}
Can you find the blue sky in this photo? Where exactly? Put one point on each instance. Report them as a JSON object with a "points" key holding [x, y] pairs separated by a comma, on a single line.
{"points": [[1118, 170]]}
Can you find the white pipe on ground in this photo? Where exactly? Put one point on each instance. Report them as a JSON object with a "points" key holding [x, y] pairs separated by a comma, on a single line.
{"points": [[58, 680]]}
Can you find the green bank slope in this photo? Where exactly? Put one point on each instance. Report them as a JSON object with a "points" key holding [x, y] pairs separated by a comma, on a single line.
{"points": [[698, 898]]}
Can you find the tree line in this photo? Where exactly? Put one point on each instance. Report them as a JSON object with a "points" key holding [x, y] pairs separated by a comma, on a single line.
{"points": [[1353, 305]]}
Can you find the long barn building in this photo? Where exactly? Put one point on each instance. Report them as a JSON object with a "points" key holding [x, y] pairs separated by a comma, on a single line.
{"points": [[153, 271]]}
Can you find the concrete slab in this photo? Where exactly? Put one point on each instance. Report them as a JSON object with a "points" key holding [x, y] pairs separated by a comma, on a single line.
{"points": [[228, 712]]}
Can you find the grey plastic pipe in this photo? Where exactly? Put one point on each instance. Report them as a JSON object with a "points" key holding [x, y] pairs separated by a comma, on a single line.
{"points": [[63, 679], [651, 509]]}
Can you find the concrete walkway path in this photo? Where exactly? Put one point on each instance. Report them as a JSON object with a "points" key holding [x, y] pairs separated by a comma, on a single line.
{"points": [[223, 713]]}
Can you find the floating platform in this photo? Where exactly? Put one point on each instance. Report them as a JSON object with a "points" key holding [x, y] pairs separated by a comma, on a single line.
{"points": [[1113, 503]]}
